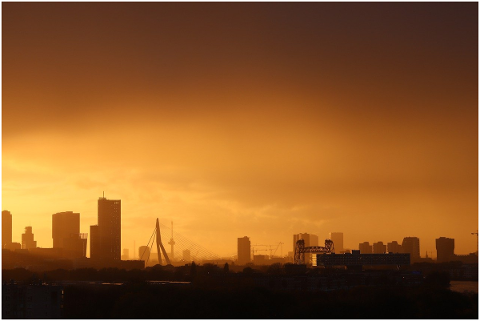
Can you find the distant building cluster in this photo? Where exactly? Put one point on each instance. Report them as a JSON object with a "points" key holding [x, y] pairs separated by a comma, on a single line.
{"points": [[410, 245], [105, 244], [69, 243], [408, 251]]}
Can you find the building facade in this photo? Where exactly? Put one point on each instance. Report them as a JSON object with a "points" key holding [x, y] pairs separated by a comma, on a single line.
{"points": [[144, 253], [412, 245], [243, 250], [365, 248], [310, 240], [64, 225], [379, 248], [66, 235], [6, 229], [337, 238], [28, 239], [394, 247], [445, 249], [106, 236]]}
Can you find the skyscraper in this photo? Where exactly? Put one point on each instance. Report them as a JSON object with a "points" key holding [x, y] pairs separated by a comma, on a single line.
{"points": [[64, 225], [243, 250], [6, 229], [412, 245], [27, 239], [337, 238], [105, 242], [95, 242], [445, 249]]}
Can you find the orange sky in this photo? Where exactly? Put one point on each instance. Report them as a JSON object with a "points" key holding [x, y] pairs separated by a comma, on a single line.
{"points": [[240, 119]]}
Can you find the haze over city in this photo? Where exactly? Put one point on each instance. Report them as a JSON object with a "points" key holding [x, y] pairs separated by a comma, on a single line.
{"points": [[237, 119]]}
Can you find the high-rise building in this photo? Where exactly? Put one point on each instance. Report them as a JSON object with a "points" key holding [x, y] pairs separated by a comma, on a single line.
{"points": [[64, 225], [105, 242], [243, 250], [95, 251], [310, 240], [445, 249], [394, 247], [412, 245], [337, 238], [66, 234], [27, 239], [379, 248], [6, 229], [365, 248]]}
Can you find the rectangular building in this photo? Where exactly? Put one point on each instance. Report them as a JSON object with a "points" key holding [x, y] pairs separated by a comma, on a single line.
{"points": [[365, 248], [357, 259], [64, 225], [243, 250], [6, 229], [337, 238], [106, 237]]}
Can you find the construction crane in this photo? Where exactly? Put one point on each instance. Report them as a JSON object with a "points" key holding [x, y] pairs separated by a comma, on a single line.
{"points": [[301, 249], [256, 249], [270, 248], [279, 245], [476, 233]]}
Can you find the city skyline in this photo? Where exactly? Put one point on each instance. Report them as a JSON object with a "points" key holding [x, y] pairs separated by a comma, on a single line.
{"points": [[67, 223], [233, 119]]}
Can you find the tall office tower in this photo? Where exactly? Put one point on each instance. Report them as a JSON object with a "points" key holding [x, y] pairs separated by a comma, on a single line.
{"points": [[143, 253], [106, 236], [27, 239], [310, 240], [6, 229], [243, 250], [186, 255], [94, 242], [379, 248], [365, 248], [412, 245], [64, 225], [337, 238], [394, 247], [445, 248]]}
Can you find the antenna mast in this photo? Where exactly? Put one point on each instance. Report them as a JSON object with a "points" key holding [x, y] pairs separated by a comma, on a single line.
{"points": [[172, 243]]}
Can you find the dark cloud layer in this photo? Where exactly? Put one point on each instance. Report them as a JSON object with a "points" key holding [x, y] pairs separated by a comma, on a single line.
{"points": [[339, 115]]}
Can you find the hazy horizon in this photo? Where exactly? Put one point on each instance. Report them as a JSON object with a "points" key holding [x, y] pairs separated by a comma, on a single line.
{"points": [[244, 119]]}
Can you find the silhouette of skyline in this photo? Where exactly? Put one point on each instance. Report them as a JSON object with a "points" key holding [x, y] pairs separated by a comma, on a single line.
{"points": [[233, 119], [104, 243]]}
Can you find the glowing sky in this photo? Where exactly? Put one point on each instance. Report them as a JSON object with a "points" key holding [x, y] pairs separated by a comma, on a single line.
{"points": [[238, 119]]}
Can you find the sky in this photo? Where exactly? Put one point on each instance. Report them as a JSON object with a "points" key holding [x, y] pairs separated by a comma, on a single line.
{"points": [[244, 119]]}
